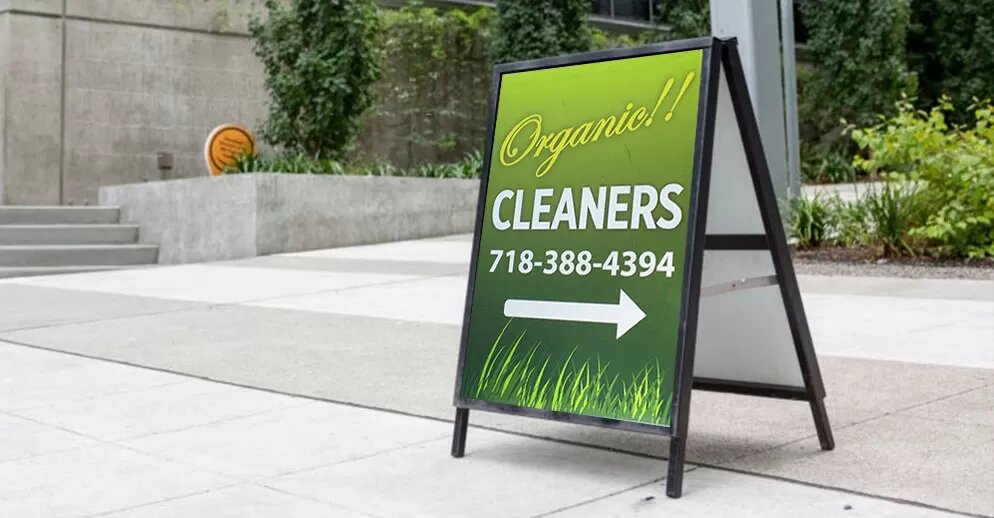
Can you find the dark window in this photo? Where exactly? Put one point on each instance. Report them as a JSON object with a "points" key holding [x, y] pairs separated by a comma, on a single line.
{"points": [[630, 9]]}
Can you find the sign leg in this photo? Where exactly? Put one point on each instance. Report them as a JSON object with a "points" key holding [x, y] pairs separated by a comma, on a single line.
{"points": [[459, 432], [821, 424], [674, 472]]}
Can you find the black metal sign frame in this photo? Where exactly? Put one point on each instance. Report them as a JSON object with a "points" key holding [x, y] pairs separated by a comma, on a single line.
{"points": [[718, 56]]}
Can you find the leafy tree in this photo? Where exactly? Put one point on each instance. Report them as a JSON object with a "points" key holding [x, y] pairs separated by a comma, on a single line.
{"points": [[321, 59]]}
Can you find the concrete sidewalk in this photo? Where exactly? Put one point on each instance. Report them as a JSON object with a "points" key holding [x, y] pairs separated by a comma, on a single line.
{"points": [[361, 333]]}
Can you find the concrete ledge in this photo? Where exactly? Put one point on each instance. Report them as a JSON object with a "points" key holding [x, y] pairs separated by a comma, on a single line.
{"points": [[245, 215]]}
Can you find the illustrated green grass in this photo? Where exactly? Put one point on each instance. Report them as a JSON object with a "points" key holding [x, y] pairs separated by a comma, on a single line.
{"points": [[518, 376]]}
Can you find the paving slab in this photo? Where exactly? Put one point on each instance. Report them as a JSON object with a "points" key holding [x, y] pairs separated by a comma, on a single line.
{"points": [[430, 250], [439, 300], [28, 307], [239, 502], [158, 409], [390, 266], [211, 284], [941, 463], [501, 475], [22, 439], [410, 367], [289, 440], [73, 381], [95, 480], [946, 289], [884, 387], [932, 331], [719, 494]]}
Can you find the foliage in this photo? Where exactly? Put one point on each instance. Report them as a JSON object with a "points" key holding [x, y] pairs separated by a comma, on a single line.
{"points": [[955, 165], [525, 29], [470, 166], [574, 33], [684, 18], [436, 80], [850, 223], [830, 167], [951, 47], [811, 220], [293, 163], [321, 60], [529, 29], [858, 52], [513, 375], [891, 214]]}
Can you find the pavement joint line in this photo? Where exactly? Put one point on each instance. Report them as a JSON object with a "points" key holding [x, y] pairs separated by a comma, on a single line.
{"points": [[118, 440], [163, 500], [350, 460], [14, 411], [860, 422], [604, 497], [200, 305], [891, 499], [104, 442], [312, 499], [333, 401], [47, 453], [533, 436], [947, 420]]}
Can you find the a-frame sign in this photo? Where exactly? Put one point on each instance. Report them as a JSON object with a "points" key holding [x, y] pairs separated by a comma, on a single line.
{"points": [[628, 248]]}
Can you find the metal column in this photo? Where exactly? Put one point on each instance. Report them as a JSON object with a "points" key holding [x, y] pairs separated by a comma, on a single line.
{"points": [[756, 25]]}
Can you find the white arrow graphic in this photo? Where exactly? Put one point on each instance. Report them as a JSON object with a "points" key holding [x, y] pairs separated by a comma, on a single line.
{"points": [[625, 314]]}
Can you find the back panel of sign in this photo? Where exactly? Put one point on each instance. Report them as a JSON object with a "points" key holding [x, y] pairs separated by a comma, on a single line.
{"points": [[743, 332]]}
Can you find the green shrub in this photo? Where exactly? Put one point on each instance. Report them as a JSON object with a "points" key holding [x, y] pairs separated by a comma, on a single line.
{"points": [[859, 66], [954, 166], [293, 163], [321, 59], [811, 220], [470, 166]]}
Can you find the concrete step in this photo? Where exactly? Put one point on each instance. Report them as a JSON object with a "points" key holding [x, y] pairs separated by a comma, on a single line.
{"points": [[68, 234], [58, 215], [8, 272], [77, 255]]}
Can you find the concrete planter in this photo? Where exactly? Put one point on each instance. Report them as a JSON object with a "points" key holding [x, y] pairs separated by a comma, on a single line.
{"points": [[245, 215]]}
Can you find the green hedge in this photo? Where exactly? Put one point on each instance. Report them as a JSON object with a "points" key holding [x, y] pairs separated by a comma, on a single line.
{"points": [[951, 47]]}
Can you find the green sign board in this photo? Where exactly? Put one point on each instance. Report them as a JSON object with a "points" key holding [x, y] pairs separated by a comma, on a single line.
{"points": [[585, 285], [579, 277]]}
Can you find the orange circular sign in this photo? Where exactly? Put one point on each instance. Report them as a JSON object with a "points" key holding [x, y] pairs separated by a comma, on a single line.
{"points": [[225, 144]]}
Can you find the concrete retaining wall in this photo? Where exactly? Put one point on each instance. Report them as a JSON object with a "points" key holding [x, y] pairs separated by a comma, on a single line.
{"points": [[236, 216]]}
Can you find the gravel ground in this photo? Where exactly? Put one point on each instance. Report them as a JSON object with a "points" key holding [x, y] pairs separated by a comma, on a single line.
{"points": [[915, 271], [864, 262]]}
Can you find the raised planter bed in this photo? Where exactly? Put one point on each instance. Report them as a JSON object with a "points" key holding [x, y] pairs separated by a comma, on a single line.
{"points": [[246, 215]]}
